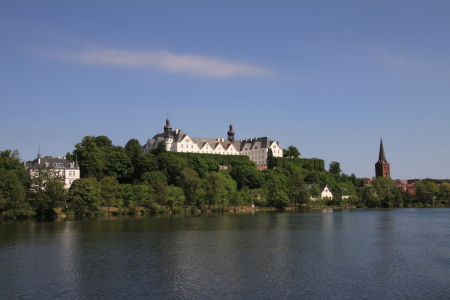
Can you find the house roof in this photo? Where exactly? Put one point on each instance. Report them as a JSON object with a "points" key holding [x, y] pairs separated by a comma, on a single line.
{"points": [[57, 163]]}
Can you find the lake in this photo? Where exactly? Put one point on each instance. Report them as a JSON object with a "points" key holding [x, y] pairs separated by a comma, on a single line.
{"points": [[340, 254]]}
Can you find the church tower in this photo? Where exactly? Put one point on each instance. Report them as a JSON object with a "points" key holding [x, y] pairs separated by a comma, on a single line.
{"points": [[382, 167]]}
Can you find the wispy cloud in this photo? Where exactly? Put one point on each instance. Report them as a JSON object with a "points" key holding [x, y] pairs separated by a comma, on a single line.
{"points": [[196, 65]]}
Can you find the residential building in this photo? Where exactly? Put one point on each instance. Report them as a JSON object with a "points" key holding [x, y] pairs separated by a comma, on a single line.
{"points": [[176, 140], [408, 185], [325, 191], [67, 171]]}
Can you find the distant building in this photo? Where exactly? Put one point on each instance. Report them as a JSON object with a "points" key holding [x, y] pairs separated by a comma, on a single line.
{"points": [[176, 140], [366, 180], [408, 185], [325, 191], [65, 170], [382, 167]]}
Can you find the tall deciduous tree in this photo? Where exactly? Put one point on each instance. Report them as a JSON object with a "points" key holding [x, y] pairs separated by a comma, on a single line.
{"points": [[335, 168], [84, 194], [109, 191], [291, 152], [46, 189], [211, 185], [426, 192], [190, 183]]}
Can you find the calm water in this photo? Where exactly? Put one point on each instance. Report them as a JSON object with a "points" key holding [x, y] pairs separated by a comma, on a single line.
{"points": [[358, 254]]}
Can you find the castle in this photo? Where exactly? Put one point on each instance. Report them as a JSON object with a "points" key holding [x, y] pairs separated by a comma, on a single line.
{"points": [[176, 140]]}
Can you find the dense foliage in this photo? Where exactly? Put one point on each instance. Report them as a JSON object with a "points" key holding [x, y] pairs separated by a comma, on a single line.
{"points": [[123, 180]]}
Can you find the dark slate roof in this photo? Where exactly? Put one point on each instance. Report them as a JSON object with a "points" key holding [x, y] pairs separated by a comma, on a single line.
{"points": [[51, 161]]}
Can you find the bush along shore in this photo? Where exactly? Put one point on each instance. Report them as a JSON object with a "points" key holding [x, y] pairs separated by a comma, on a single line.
{"points": [[121, 180]]}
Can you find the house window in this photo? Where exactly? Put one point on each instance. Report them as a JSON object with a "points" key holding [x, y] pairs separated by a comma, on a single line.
{"points": [[187, 140]]}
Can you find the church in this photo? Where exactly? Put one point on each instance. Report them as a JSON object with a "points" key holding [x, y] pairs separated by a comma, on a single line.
{"points": [[176, 140], [382, 167]]}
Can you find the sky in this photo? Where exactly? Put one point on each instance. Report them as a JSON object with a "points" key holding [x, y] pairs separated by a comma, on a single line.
{"points": [[328, 77]]}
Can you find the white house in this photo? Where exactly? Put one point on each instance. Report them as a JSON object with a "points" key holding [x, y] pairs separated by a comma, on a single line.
{"points": [[325, 191], [67, 171], [176, 140]]}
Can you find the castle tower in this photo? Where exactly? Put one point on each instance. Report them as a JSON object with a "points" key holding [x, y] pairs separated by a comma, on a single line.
{"points": [[231, 134], [168, 138], [167, 128], [382, 167]]}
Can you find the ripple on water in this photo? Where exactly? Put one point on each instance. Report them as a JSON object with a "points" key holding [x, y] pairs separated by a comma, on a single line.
{"points": [[393, 254]]}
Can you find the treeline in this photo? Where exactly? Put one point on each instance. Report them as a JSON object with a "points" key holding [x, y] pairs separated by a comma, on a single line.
{"points": [[124, 179]]}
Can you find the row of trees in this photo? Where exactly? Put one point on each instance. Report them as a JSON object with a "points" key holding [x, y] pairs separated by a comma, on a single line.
{"points": [[121, 177]]}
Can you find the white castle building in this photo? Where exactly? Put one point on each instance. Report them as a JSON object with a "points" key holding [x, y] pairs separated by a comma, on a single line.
{"points": [[176, 140], [67, 171]]}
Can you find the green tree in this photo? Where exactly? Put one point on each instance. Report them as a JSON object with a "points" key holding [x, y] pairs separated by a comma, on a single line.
{"points": [[118, 164], [296, 186], [426, 192], [271, 162], [190, 183], [171, 165], [9, 160], [274, 192], [444, 191], [143, 194], [13, 194], [46, 189], [161, 192], [334, 167], [246, 176], [211, 185], [84, 194], [291, 152], [315, 192], [91, 157], [161, 148], [109, 190], [176, 196], [134, 151]]}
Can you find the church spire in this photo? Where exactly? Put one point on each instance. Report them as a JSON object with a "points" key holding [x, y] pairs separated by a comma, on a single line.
{"points": [[382, 156], [382, 167]]}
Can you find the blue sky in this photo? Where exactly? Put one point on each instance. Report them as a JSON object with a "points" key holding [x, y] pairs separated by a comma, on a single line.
{"points": [[329, 77]]}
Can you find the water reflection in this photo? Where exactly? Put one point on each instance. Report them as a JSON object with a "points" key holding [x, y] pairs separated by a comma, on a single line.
{"points": [[345, 254]]}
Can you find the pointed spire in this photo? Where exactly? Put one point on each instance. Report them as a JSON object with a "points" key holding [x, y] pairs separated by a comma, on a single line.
{"points": [[382, 156]]}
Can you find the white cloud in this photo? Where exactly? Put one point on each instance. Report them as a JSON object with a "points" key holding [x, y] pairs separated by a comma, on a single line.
{"points": [[196, 65]]}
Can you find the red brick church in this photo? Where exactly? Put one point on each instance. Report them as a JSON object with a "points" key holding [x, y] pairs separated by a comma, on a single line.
{"points": [[382, 167]]}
